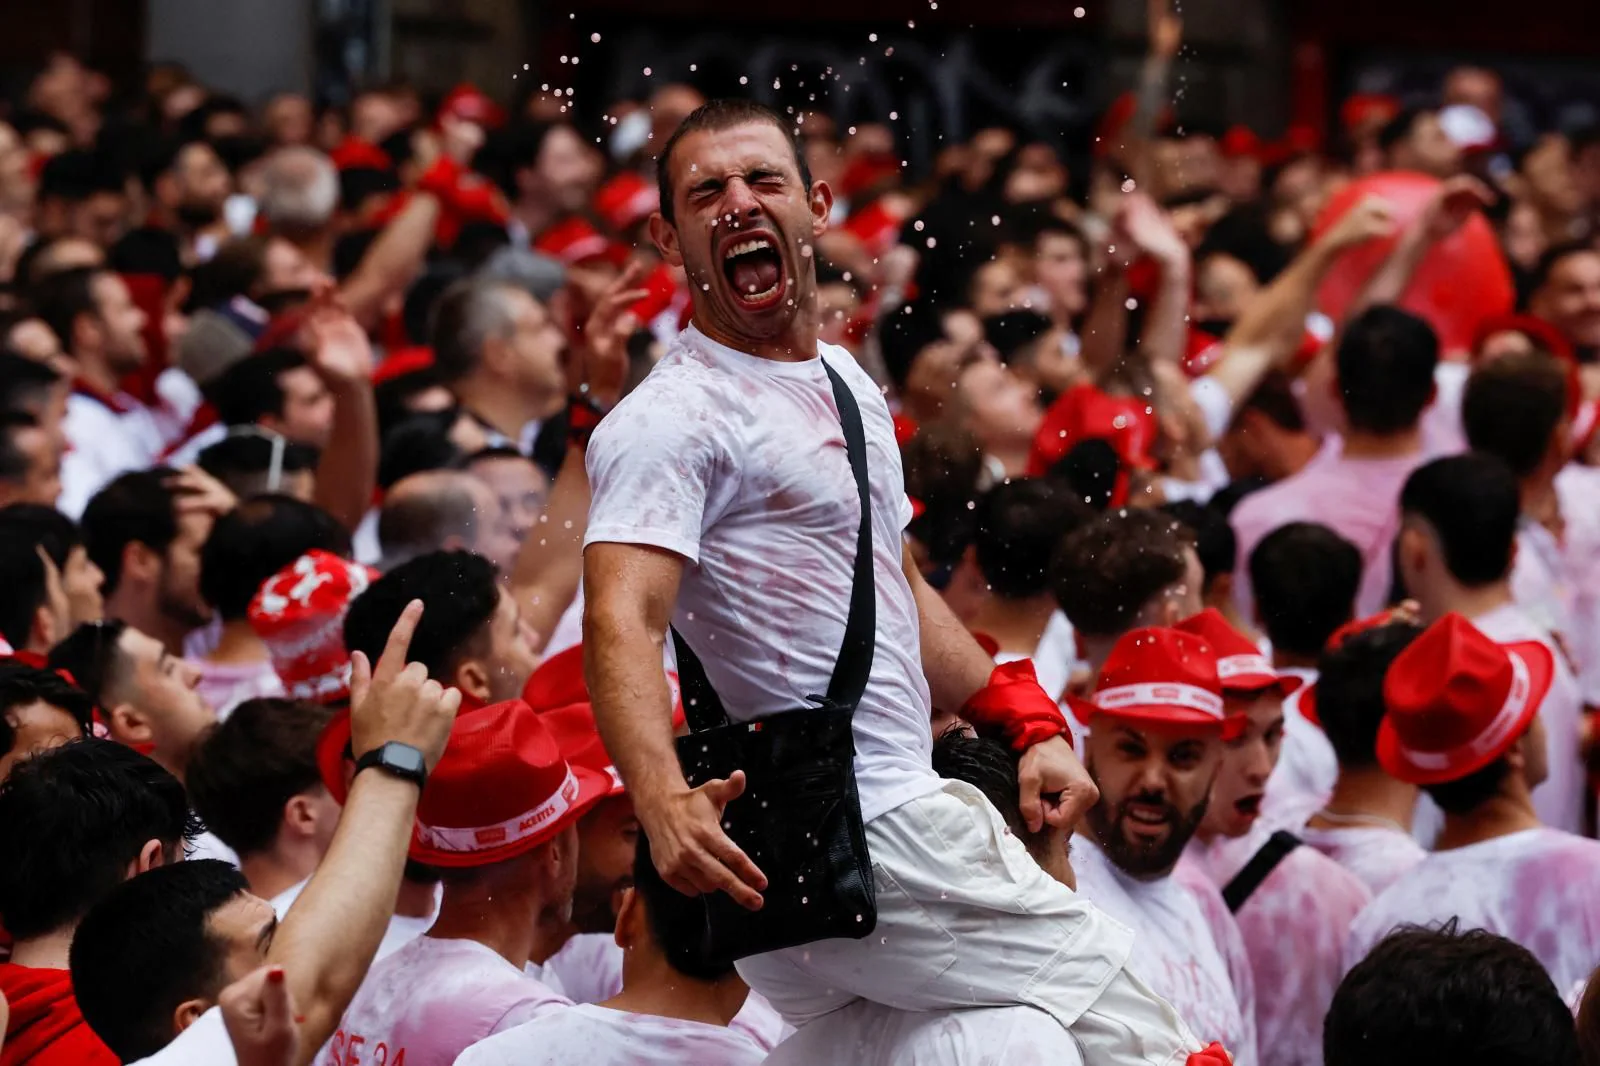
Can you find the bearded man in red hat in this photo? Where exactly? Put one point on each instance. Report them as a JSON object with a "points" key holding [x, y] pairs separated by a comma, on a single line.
{"points": [[1463, 723]]}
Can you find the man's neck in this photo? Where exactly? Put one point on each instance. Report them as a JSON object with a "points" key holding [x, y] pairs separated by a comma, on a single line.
{"points": [[279, 869], [96, 373], [1540, 501], [1470, 603], [795, 344], [130, 606], [1288, 660], [238, 645], [416, 899], [650, 986], [1360, 444], [46, 952], [506, 922], [1293, 452], [1368, 792], [503, 408], [1016, 625], [1509, 811]]}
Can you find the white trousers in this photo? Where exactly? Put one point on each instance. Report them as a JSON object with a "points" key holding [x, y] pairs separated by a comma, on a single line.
{"points": [[966, 918]]}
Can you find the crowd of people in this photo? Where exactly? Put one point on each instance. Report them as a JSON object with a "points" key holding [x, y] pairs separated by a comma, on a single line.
{"points": [[1232, 508]]}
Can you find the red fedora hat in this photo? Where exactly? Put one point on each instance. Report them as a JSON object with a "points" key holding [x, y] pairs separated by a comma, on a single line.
{"points": [[579, 740], [1240, 665], [1160, 675], [1456, 701]]}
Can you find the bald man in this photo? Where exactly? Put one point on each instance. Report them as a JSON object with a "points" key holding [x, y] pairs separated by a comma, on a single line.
{"points": [[445, 509]]}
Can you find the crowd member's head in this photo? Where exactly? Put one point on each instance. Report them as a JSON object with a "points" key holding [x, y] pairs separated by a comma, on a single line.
{"points": [[190, 183], [152, 956], [94, 317], [35, 613], [1268, 436], [519, 483], [1061, 268], [1034, 350], [254, 541], [445, 510], [991, 768], [299, 193], [32, 404], [924, 358], [146, 695], [1252, 698], [251, 461], [1016, 528], [472, 636], [81, 194], [149, 553], [1548, 182], [1462, 720], [299, 614], [494, 339], [48, 257], [1516, 408], [657, 928], [75, 821], [740, 213], [1414, 140], [1217, 548], [287, 119], [1155, 745], [276, 390], [552, 171], [1304, 578], [1386, 361], [39, 709], [1349, 692], [1124, 570], [254, 782], [1458, 529], [59, 538], [1441, 995], [1566, 292]]}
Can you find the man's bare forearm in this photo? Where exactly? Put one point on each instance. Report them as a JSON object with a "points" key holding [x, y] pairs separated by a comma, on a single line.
{"points": [[954, 663], [631, 700], [550, 564]]}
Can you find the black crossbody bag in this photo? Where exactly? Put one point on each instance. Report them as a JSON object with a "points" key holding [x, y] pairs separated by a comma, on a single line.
{"points": [[799, 818]]}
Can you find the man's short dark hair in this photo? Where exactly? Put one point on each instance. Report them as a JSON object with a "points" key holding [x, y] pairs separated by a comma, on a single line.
{"points": [[1513, 406], [988, 766], [676, 921], [257, 539], [1350, 689], [93, 656], [249, 389], [250, 764], [1471, 504], [1214, 539], [145, 949], [78, 174], [1444, 996], [1106, 572], [22, 685], [134, 508], [1554, 256], [72, 819], [47, 527], [1401, 125], [1016, 530], [1386, 362], [1014, 334], [466, 316], [904, 335], [460, 590], [1304, 577], [1466, 794], [24, 579], [717, 115], [243, 461], [25, 383], [59, 299], [1274, 397]]}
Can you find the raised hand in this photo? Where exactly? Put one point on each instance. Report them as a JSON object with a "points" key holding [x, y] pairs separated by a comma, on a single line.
{"points": [[1455, 202], [340, 349], [396, 700], [603, 365], [691, 851], [259, 1013], [1055, 788], [196, 492], [1373, 217]]}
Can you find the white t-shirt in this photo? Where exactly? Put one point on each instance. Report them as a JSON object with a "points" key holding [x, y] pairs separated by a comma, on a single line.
{"points": [[1173, 949], [1539, 887], [1307, 767], [870, 1034], [103, 443], [431, 1000], [205, 1043], [599, 1036], [738, 465], [1378, 856], [402, 929], [1578, 489], [1559, 799], [1053, 658]]}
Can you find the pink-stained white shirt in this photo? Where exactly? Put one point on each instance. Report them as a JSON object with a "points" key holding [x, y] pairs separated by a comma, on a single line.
{"points": [[1307, 767], [431, 1000], [1378, 856], [1224, 933], [1560, 798], [226, 685], [1173, 949], [1557, 583], [1539, 887], [1294, 927], [1356, 498], [737, 464], [590, 1035], [870, 1034]]}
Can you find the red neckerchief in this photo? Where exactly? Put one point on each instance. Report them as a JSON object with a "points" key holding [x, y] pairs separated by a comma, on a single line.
{"points": [[110, 400]]}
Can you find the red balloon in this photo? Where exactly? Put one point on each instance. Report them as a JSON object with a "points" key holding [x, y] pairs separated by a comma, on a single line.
{"points": [[1462, 281]]}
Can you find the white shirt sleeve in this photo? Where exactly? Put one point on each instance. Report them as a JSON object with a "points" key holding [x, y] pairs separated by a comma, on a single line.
{"points": [[1214, 403], [205, 1043]]}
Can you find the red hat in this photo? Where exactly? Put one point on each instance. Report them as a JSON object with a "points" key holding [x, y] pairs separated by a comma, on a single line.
{"points": [[403, 361], [500, 790], [468, 103], [1307, 704], [1161, 675], [626, 200], [876, 226], [1364, 108], [1240, 665], [1456, 701], [575, 241], [1083, 413], [299, 613], [575, 731], [354, 153]]}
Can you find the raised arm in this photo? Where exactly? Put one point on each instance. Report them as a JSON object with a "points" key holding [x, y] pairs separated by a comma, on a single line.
{"points": [[393, 260], [629, 591], [342, 356]]}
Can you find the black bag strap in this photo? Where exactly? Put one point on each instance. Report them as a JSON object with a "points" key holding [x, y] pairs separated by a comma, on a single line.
{"points": [[1261, 864], [701, 704]]}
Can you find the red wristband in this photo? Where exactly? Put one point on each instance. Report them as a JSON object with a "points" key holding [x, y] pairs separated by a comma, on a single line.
{"points": [[1015, 705], [1210, 1055]]}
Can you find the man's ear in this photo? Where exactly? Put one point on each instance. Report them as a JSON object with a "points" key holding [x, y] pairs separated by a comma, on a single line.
{"points": [[821, 202], [472, 678], [128, 726], [187, 1013], [630, 916], [664, 235], [42, 631], [150, 856], [141, 562], [299, 815]]}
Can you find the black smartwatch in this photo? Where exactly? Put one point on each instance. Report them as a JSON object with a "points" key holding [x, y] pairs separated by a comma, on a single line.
{"points": [[397, 759]]}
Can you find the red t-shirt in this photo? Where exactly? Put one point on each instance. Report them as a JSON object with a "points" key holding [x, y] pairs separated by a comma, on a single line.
{"points": [[46, 1028]]}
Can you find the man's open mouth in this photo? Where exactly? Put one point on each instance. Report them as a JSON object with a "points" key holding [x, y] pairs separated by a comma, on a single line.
{"points": [[754, 269], [1249, 806]]}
